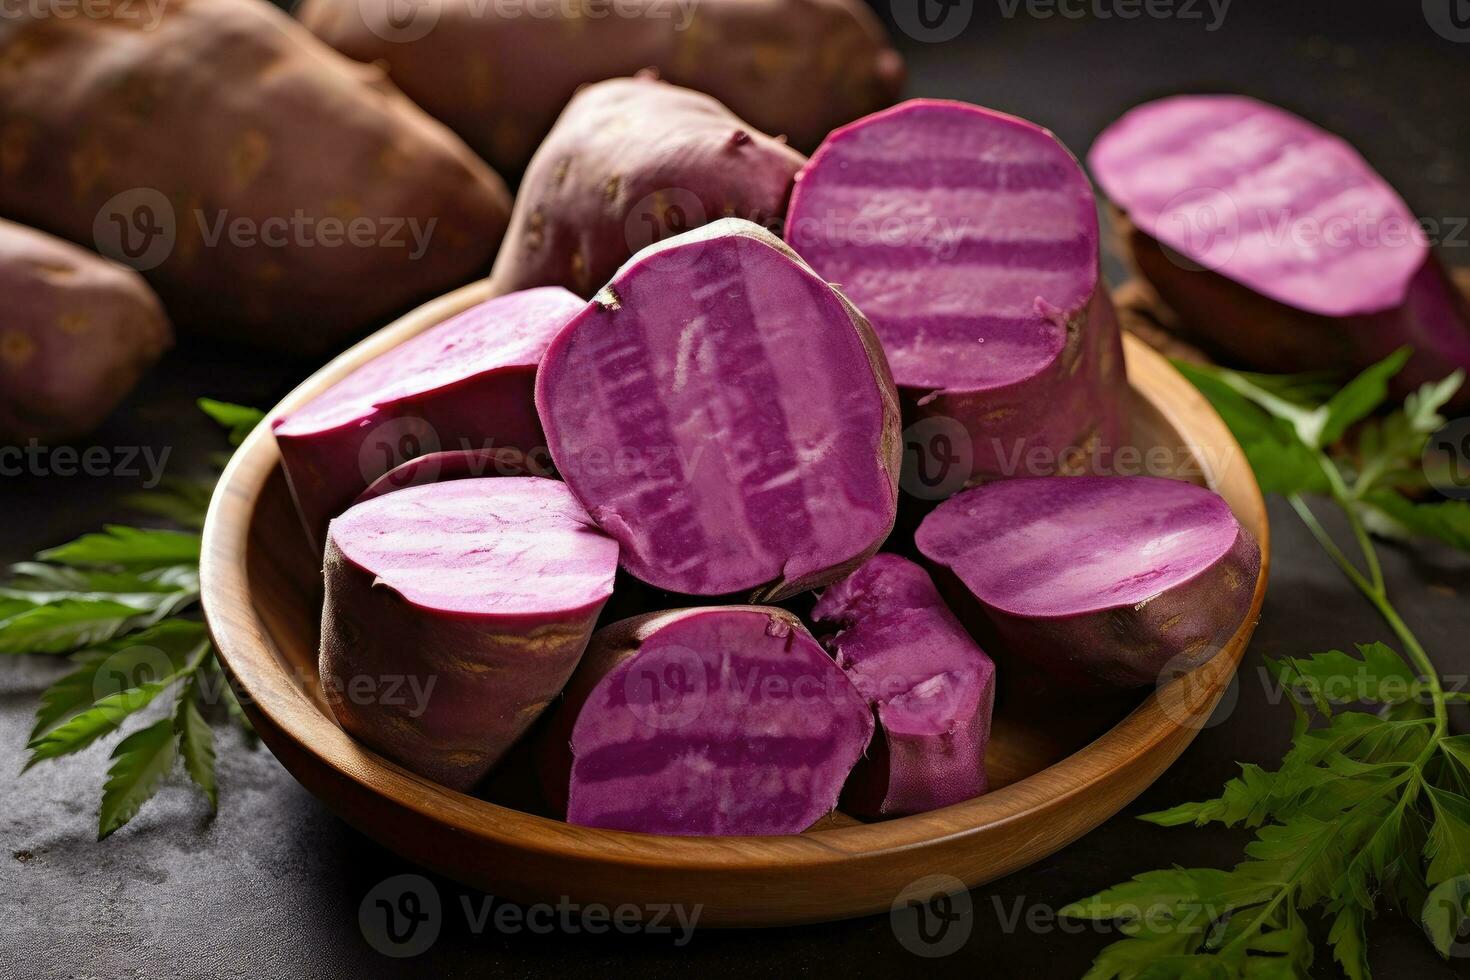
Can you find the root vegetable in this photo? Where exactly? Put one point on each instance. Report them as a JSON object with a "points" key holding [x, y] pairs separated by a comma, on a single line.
{"points": [[727, 416], [454, 614], [1275, 243], [932, 686], [77, 334], [725, 720], [632, 161], [1102, 581], [467, 383], [969, 238]]}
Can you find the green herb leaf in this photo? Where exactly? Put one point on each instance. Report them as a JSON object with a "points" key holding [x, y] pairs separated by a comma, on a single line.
{"points": [[1377, 675], [1282, 462], [1390, 452], [196, 744], [140, 763], [1357, 400], [119, 665], [63, 626], [1449, 838], [182, 501], [107, 714], [239, 419], [1446, 520], [128, 547], [1349, 945]]}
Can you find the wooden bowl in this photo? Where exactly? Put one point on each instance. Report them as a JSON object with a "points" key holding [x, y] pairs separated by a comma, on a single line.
{"points": [[1057, 774]]}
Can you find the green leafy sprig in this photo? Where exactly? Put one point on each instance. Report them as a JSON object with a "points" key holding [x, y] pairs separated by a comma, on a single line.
{"points": [[1370, 806], [112, 602]]}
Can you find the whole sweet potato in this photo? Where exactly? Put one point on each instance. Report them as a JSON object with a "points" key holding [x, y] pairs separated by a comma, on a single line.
{"points": [[77, 333], [499, 71], [632, 161], [272, 191]]}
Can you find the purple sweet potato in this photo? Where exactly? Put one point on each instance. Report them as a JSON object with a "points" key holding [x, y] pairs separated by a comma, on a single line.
{"points": [[969, 238], [1102, 581], [467, 383], [1275, 243], [631, 161], [724, 720], [454, 614], [272, 191], [499, 74], [77, 334], [727, 416], [932, 686]]}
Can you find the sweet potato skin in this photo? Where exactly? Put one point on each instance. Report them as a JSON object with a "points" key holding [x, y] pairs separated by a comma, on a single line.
{"points": [[78, 333], [631, 161], [792, 67], [187, 147], [1237, 324], [479, 680]]}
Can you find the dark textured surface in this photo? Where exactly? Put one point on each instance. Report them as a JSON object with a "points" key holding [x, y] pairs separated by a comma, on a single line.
{"points": [[273, 885]]}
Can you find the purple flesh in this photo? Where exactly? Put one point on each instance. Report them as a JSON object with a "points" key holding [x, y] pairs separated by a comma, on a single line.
{"points": [[1103, 581], [479, 594], [969, 238], [933, 688], [726, 416], [717, 721], [467, 383], [1300, 256]]}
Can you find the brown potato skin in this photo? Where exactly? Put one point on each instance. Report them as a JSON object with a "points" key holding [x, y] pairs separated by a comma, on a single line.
{"points": [[798, 68], [1235, 324], [632, 161], [229, 110], [77, 334]]}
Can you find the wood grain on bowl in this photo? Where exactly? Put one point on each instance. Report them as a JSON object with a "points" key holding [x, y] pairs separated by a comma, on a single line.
{"points": [[1057, 774]]}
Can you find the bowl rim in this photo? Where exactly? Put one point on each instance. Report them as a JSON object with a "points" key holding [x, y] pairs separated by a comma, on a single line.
{"points": [[274, 701]]}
